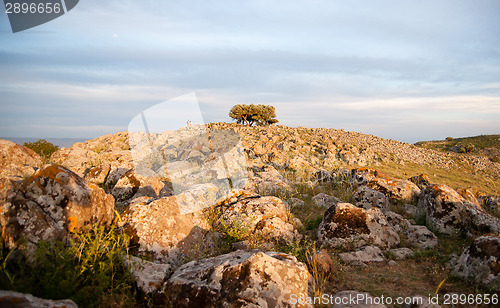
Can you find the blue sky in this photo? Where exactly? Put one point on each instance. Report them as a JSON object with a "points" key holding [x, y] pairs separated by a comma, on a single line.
{"points": [[406, 70]]}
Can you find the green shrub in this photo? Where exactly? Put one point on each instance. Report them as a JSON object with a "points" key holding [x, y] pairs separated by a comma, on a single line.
{"points": [[87, 269], [42, 147]]}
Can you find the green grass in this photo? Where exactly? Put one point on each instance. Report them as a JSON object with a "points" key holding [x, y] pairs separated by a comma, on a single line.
{"points": [[87, 269]]}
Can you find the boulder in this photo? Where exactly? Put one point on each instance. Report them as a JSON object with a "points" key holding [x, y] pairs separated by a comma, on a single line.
{"points": [[392, 188], [293, 202], [347, 225], [449, 213], [149, 276], [480, 262], [363, 254], [51, 203], [17, 157], [249, 278], [410, 209], [397, 222], [171, 228], [12, 299], [16, 163], [324, 200], [421, 237], [367, 198], [400, 253], [250, 213]]}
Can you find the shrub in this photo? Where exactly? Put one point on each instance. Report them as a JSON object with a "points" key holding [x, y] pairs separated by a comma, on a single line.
{"points": [[449, 138], [87, 269], [42, 147]]}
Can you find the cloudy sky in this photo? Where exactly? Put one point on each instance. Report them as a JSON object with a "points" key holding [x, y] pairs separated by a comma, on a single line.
{"points": [[406, 70]]}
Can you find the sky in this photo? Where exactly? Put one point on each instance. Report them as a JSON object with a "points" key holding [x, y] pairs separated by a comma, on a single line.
{"points": [[400, 69]]}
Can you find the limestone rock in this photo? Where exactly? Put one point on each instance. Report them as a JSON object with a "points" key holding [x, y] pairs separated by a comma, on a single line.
{"points": [[239, 279], [345, 224], [293, 202], [469, 196], [401, 253], [132, 185], [149, 276], [391, 187], [171, 227], [19, 300], [266, 216], [480, 262], [324, 200], [367, 198], [52, 202], [397, 222], [363, 254], [449, 213], [421, 237]]}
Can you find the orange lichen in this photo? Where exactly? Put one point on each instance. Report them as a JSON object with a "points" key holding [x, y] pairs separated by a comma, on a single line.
{"points": [[72, 223]]}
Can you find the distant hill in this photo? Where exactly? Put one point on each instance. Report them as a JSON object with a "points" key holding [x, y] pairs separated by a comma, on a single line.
{"points": [[486, 145]]}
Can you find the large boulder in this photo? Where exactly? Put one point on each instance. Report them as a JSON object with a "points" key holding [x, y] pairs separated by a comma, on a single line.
{"points": [[12, 299], [248, 278], [347, 225], [173, 227], [51, 203], [449, 213], [253, 214], [480, 262], [391, 187]]}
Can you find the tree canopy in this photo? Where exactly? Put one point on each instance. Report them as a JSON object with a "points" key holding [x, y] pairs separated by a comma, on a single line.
{"points": [[253, 114]]}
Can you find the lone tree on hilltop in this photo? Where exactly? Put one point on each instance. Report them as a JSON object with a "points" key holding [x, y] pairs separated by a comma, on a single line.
{"points": [[254, 114]]}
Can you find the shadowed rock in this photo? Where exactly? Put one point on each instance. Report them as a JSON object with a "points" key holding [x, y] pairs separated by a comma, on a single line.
{"points": [[239, 279]]}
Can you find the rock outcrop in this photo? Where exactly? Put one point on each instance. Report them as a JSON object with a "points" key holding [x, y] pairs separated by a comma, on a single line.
{"points": [[171, 227], [391, 187], [239, 279], [250, 213], [347, 225], [449, 213], [480, 262], [51, 203]]}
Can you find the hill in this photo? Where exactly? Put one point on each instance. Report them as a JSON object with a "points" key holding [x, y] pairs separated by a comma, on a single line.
{"points": [[484, 145], [318, 211]]}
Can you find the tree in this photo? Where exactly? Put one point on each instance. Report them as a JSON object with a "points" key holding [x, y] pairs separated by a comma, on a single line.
{"points": [[253, 114], [42, 147]]}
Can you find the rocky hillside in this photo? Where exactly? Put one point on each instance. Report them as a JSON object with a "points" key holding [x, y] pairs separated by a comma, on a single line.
{"points": [[225, 215]]}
